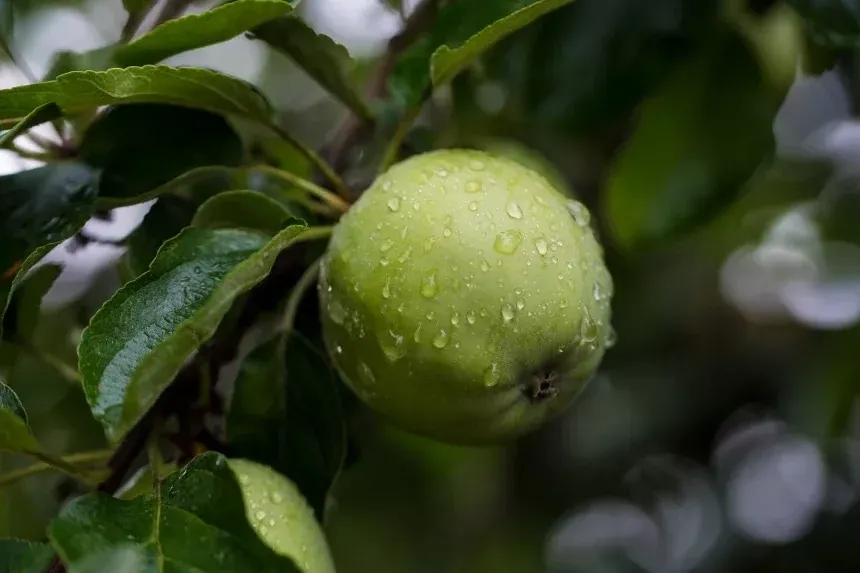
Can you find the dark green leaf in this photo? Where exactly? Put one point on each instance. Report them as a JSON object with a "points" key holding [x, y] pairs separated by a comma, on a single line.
{"points": [[137, 342], [95, 60], [187, 87], [833, 22], [19, 556], [193, 521], [285, 413], [15, 435], [322, 58], [136, 6], [141, 147], [593, 61], [681, 166], [460, 33], [164, 220], [242, 210], [41, 208], [40, 115], [24, 309], [199, 30]]}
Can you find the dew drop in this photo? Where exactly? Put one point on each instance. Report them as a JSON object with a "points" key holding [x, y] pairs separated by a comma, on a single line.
{"points": [[428, 243], [386, 245], [485, 266], [563, 303], [521, 304], [491, 375], [271, 522], [261, 515], [392, 345], [455, 319], [263, 530], [387, 185], [473, 186], [244, 479], [579, 212], [470, 317], [483, 312], [597, 293], [507, 312], [507, 242], [447, 232], [540, 245], [588, 329], [366, 373], [442, 173], [429, 285], [394, 204], [417, 335], [513, 210], [384, 261], [441, 340], [386, 290], [476, 165], [611, 337], [405, 256], [336, 311], [339, 349], [277, 497], [473, 206]]}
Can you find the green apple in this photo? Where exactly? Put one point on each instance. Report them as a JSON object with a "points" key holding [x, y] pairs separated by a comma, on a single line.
{"points": [[465, 298], [516, 151], [282, 517]]}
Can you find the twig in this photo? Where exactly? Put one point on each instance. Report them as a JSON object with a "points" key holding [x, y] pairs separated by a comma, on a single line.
{"points": [[66, 370], [303, 284], [39, 467], [327, 197], [392, 150], [377, 83], [135, 19], [171, 10], [316, 159]]}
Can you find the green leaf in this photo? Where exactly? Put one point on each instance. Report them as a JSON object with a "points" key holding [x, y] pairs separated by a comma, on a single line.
{"points": [[141, 147], [24, 308], [682, 166], [41, 208], [19, 556], [322, 58], [291, 423], [135, 6], [285, 413], [40, 115], [64, 62], [460, 33], [188, 87], [831, 22], [199, 30], [138, 341], [193, 521], [242, 210], [15, 435]]}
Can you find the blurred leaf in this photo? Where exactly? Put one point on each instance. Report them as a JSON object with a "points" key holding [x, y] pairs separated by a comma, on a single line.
{"points": [[285, 413], [40, 115], [681, 166], [141, 147], [41, 208], [94, 60], [833, 22], [24, 309], [164, 220], [594, 60], [135, 6], [322, 58], [138, 341], [143, 481], [188, 87], [199, 30], [15, 435], [460, 32], [19, 556], [193, 521], [242, 210]]}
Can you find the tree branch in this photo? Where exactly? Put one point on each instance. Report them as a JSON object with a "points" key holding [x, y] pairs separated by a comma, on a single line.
{"points": [[376, 87]]}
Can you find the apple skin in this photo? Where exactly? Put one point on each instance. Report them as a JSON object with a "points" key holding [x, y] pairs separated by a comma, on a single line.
{"points": [[465, 298], [281, 516]]}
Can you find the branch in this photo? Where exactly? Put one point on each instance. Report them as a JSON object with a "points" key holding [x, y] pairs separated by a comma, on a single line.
{"points": [[377, 84]]}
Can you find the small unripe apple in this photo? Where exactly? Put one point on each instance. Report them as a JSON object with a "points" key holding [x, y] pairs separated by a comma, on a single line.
{"points": [[465, 298], [282, 517]]}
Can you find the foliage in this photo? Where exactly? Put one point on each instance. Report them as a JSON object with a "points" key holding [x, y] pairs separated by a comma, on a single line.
{"points": [[202, 342]]}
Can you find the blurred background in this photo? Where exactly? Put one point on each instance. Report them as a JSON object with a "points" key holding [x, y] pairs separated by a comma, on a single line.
{"points": [[722, 431]]}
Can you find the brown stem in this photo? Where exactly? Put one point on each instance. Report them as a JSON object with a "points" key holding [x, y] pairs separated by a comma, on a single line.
{"points": [[354, 128]]}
